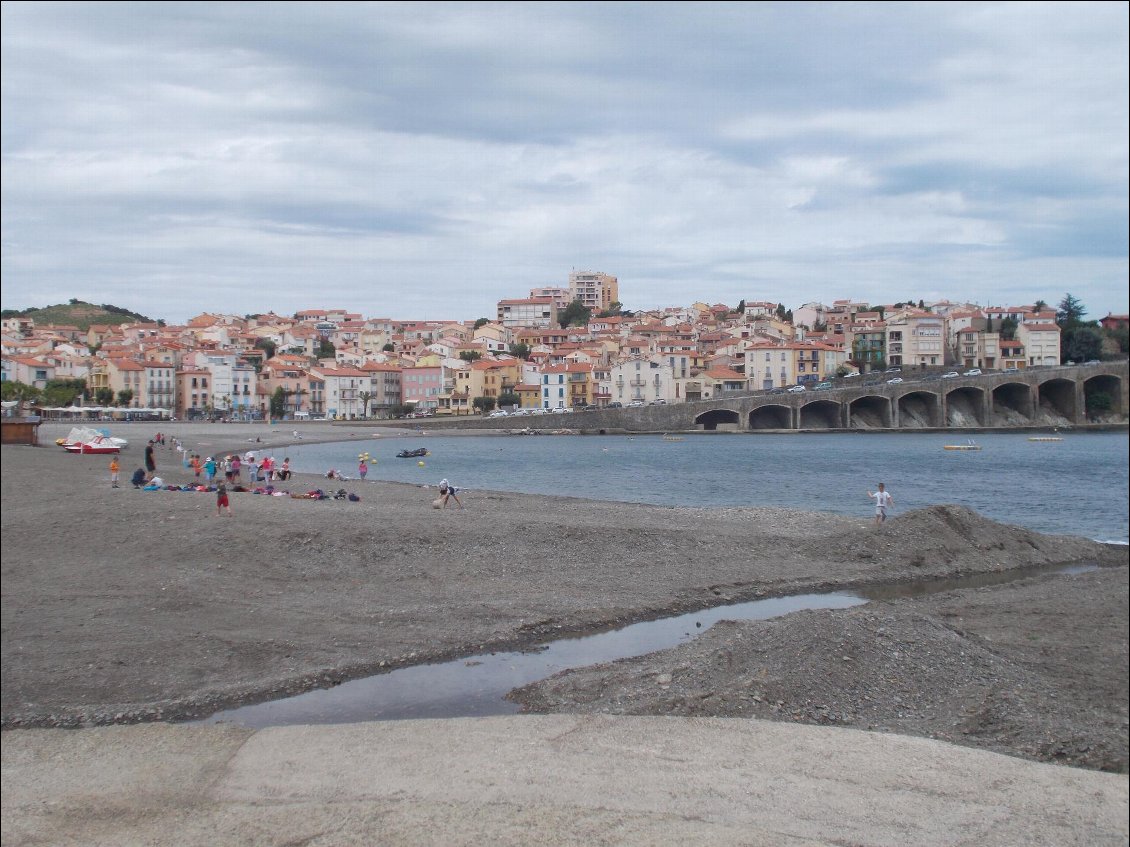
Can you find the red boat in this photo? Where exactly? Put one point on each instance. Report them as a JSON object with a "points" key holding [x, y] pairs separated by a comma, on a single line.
{"points": [[98, 444]]}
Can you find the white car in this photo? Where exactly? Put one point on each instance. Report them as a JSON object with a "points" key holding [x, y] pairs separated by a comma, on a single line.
{"points": [[499, 413], [972, 372], [796, 389], [951, 375], [894, 380], [635, 403], [851, 375]]}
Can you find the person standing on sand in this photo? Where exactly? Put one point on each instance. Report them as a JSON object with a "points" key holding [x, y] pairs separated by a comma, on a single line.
{"points": [[362, 469], [114, 469], [150, 460], [883, 501], [222, 500]]}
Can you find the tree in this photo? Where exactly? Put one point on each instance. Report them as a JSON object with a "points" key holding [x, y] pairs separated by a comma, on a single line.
{"points": [[508, 398], [1081, 344], [267, 346], [1070, 312], [104, 396], [470, 355], [481, 322], [326, 350], [20, 391], [1040, 305], [63, 392], [389, 348], [1008, 328], [365, 396], [521, 351], [278, 402], [781, 311], [575, 314], [483, 404], [124, 397], [401, 410]]}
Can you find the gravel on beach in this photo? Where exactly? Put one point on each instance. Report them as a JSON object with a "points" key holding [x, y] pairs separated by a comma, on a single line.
{"points": [[121, 606]]}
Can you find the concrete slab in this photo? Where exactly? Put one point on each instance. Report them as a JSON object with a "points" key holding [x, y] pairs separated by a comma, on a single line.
{"points": [[549, 780]]}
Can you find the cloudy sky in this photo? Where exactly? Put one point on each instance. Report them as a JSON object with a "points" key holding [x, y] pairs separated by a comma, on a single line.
{"points": [[424, 160]]}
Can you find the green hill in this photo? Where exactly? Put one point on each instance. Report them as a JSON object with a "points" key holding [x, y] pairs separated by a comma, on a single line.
{"points": [[80, 314]]}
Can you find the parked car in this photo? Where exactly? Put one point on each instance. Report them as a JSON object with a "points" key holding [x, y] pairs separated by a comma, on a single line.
{"points": [[823, 386], [591, 408], [659, 402], [894, 380], [972, 372], [797, 389], [499, 413], [560, 410], [1092, 362], [951, 375], [615, 404], [851, 375], [893, 370]]}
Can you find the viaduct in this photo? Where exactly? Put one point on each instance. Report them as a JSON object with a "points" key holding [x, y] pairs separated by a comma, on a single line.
{"points": [[1006, 399]]}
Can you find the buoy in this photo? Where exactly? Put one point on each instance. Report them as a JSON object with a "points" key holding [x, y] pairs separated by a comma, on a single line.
{"points": [[421, 464]]}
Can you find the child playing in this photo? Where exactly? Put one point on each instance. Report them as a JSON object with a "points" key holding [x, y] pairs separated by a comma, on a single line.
{"points": [[114, 468], [222, 499]]}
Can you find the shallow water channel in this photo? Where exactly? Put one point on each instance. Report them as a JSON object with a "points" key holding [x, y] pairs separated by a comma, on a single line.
{"points": [[476, 686]]}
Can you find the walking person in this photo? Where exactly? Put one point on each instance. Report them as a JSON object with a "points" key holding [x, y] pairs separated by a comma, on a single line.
{"points": [[883, 501], [362, 469], [114, 470], [448, 491], [210, 469], [236, 465]]}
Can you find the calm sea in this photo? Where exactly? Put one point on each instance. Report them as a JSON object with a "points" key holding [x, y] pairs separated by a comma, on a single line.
{"points": [[1076, 486]]}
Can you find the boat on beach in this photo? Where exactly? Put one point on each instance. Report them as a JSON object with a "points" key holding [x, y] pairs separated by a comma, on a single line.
{"points": [[98, 444], [83, 439]]}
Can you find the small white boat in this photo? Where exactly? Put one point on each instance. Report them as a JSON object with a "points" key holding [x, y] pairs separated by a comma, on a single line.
{"points": [[1044, 438], [971, 446], [80, 435]]}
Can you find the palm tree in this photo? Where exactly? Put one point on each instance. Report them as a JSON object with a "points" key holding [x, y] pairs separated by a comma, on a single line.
{"points": [[365, 396]]}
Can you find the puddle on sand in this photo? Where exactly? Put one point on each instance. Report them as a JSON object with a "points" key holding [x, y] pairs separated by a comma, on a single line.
{"points": [[476, 686]]}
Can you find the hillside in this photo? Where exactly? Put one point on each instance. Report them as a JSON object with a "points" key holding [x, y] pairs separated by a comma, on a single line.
{"points": [[78, 313]]}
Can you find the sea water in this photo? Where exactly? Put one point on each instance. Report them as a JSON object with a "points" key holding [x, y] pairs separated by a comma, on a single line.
{"points": [[1077, 486]]}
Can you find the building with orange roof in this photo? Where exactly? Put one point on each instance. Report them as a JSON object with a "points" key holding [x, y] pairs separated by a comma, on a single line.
{"points": [[1042, 343]]}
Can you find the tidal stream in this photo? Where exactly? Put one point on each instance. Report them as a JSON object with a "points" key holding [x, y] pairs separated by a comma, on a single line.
{"points": [[476, 686]]}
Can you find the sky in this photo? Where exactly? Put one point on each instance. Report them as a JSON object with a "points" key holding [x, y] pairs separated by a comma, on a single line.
{"points": [[421, 161]]}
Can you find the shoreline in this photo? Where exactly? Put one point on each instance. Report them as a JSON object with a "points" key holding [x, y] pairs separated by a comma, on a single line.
{"points": [[123, 607]]}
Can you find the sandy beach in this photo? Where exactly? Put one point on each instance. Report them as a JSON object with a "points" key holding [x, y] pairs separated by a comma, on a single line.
{"points": [[125, 607]]}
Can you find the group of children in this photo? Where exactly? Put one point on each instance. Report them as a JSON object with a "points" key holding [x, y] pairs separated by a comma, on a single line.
{"points": [[264, 470]]}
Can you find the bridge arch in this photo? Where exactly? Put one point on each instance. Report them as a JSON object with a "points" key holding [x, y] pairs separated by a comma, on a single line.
{"points": [[1014, 404], [1057, 400], [872, 411], [1109, 385], [965, 406], [919, 409], [771, 417], [821, 414], [716, 418]]}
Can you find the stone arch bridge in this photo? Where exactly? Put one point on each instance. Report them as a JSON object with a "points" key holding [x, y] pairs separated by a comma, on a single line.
{"points": [[1044, 396]]}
